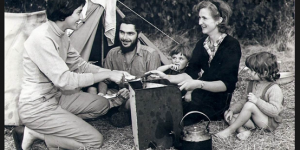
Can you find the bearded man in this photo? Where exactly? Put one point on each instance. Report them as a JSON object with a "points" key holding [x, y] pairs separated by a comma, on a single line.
{"points": [[131, 56]]}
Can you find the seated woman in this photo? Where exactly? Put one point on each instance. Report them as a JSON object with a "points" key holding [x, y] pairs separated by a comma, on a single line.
{"points": [[216, 58]]}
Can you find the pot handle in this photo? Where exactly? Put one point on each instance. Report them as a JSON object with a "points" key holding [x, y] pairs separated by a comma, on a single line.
{"points": [[191, 112]]}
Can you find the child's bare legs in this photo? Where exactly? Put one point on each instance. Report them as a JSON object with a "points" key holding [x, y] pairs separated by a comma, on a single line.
{"points": [[92, 90], [249, 110], [243, 133], [249, 124], [29, 137]]}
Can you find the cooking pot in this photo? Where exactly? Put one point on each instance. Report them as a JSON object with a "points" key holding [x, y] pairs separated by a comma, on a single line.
{"points": [[195, 138]]}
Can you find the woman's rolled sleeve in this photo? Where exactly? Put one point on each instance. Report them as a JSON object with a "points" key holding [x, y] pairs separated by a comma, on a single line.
{"points": [[76, 63]]}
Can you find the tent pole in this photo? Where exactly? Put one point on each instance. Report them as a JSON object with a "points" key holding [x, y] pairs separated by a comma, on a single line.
{"points": [[102, 48]]}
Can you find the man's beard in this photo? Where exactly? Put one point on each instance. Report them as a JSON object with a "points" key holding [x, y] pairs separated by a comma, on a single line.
{"points": [[130, 48]]}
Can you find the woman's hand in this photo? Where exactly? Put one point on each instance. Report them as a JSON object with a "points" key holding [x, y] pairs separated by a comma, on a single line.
{"points": [[252, 98], [127, 75], [188, 96], [101, 94], [228, 115], [116, 76], [189, 85], [157, 73]]}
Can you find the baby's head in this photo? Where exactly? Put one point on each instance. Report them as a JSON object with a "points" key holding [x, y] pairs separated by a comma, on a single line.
{"points": [[181, 54], [264, 65]]}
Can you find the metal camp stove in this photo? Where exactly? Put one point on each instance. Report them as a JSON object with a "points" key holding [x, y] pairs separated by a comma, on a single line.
{"points": [[156, 111]]}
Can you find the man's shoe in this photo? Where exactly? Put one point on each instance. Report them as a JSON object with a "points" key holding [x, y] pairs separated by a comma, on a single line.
{"points": [[121, 119], [18, 133]]}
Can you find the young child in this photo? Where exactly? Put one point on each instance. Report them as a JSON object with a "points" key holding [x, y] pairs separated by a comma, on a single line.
{"points": [[180, 55], [262, 106]]}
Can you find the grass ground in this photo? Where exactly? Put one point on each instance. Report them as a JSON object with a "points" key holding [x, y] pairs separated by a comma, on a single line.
{"points": [[282, 138]]}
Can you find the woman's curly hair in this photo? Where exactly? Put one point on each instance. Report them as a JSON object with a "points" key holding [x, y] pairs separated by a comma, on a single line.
{"points": [[264, 64]]}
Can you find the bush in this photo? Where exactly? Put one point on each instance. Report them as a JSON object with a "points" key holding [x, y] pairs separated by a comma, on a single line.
{"points": [[253, 21], [258, 21], [24, 6]]}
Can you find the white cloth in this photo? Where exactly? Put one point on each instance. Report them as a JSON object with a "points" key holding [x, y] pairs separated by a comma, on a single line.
{"points": [[110, 19], [18, 27]]}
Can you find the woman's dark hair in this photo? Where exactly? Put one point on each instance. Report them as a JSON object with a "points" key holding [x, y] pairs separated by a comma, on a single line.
{"points": [[264, 64], [218, 8], [132, 19], [183, 49], [59, 10]]}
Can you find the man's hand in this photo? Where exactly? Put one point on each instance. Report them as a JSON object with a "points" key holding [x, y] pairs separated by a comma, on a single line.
{"points": [[124, 93], [189, 85], [252, 98]]}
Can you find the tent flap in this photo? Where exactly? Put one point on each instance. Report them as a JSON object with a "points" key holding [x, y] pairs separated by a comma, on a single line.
{"points": [[17, 29]]}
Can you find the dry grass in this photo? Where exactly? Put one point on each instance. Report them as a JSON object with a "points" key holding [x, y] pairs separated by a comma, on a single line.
{"points": [[282, 138]]}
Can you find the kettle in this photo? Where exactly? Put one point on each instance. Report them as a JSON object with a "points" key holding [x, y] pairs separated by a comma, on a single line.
{"points": [[195, 138]]}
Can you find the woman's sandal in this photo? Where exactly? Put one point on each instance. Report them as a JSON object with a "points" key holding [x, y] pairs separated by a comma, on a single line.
{"points": [[18, 133], [244, 135]]}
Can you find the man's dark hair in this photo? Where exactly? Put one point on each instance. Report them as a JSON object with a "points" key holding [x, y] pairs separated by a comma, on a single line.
{"points": [[59, 10], [132, 19]]}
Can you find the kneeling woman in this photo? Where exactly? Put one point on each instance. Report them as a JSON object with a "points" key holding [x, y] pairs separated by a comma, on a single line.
{"points": [[51, 66], [216, 58]]}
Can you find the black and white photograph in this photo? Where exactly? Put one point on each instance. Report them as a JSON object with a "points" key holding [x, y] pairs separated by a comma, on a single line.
{"points": [[149, 74]]}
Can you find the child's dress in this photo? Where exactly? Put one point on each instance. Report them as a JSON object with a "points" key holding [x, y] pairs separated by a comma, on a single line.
{"points": [[271, 104]]}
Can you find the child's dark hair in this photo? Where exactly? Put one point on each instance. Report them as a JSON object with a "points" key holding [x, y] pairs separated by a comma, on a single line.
{"points": [[59, 10], [132, 19], [264, 64], [183, 49]]}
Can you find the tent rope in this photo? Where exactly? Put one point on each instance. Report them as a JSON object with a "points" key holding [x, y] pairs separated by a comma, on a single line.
{"points": [[148, 22]]}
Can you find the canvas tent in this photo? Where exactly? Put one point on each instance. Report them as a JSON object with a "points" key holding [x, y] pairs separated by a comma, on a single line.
{"points": [[18, 27]]}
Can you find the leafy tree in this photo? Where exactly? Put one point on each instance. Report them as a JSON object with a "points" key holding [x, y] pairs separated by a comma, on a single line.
{"points": [[258, 21]]}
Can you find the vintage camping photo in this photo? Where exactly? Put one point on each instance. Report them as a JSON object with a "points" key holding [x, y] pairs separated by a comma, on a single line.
{"points": [[149, 74]]}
